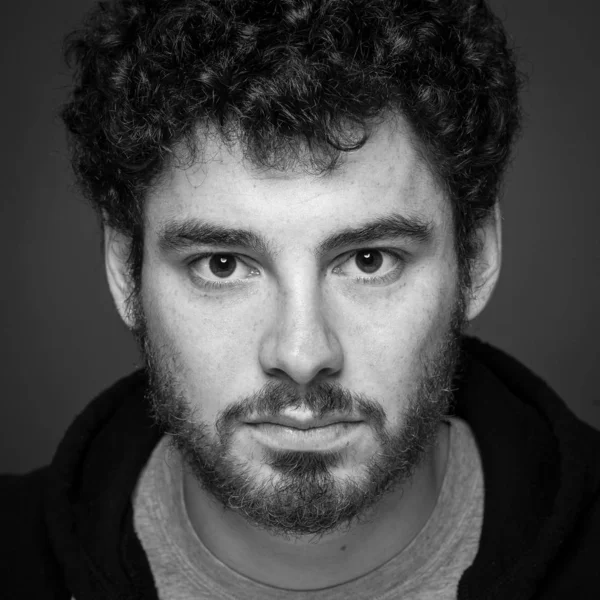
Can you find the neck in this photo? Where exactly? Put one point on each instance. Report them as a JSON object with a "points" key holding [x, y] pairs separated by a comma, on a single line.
{"points": [[333, 558]]}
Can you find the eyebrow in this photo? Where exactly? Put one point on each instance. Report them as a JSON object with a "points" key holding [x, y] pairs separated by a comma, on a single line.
{"points": [[181, 235], [392, 226], [188, 233]]}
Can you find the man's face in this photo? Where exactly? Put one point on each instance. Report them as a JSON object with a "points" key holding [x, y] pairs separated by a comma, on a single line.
{"points": [[301, 331]]}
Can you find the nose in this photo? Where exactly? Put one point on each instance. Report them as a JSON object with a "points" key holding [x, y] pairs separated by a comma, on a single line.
{"points": [[300, 345]]}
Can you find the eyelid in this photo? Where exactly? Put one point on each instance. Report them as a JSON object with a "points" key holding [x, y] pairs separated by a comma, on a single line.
{"points": [[214, 283], [244, 258], [393, 273], [377, 278], [395, 253]]}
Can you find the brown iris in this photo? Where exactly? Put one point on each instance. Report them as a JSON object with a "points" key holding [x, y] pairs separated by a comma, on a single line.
{"points": [[369, 261], [222, 265]]}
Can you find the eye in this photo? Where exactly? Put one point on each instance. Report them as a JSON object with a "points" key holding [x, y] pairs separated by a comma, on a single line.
{"points": [[371, 265], [221, 268], [369, 261]]}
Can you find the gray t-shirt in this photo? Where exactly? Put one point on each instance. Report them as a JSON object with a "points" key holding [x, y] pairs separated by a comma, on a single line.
{"points": [[430, 566]]}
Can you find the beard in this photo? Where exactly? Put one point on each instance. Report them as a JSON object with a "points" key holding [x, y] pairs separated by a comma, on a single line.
{"points": [[302, 496]]}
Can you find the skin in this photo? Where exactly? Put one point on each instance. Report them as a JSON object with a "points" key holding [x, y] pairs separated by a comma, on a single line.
{"points": [[300, 317]]}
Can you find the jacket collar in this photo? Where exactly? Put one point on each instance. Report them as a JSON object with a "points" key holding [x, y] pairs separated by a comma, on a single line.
{"points": [[530, 446]]}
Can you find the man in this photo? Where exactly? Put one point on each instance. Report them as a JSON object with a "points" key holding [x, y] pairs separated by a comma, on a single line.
{"points": [[299, 202]]}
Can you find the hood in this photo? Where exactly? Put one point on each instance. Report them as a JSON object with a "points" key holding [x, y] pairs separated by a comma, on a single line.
{"points": [[87, 506], [538, 475], [541, 479]]}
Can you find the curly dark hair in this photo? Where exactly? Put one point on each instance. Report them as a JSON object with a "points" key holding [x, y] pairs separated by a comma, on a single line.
{"points": [[281, 77]]}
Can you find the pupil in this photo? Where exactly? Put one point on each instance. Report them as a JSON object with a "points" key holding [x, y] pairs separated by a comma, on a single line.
{"points": [[369, 261], [222, 265]]}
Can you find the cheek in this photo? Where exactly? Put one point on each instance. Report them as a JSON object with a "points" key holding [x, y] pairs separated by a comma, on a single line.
{"points": [[212, 343], [385, 351]]}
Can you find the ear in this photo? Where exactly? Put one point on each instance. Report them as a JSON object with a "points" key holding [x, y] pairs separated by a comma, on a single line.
{"points": [[116, 254], [486, 268]]}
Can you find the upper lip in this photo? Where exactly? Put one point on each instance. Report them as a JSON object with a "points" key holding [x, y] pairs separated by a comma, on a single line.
{"points": [[303, 423]]}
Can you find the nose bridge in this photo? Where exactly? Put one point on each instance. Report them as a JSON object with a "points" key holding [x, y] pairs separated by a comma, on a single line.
{"points": [[302, 343], [301, 315]]}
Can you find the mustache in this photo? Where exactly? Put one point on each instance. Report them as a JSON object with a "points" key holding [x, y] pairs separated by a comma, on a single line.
{"points": [[321, 400]]}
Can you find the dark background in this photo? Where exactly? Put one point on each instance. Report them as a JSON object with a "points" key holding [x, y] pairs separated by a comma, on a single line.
{"points": [[62, 341]]}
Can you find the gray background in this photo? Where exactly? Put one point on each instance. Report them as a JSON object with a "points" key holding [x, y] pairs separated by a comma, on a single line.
{"points": [[62, 341]]}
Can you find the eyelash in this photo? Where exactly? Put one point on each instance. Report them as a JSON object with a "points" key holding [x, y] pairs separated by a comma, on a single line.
{"points": [[207, 283], [378, 280], [388, 277]]}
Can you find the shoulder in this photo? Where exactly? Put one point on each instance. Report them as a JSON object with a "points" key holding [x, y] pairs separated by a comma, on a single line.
{"points": [[21, 500], [575, 568], [21, 514], [28, 566]]}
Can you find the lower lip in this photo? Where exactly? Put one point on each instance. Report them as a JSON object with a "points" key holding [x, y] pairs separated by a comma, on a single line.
{"points": [[329, 438]]}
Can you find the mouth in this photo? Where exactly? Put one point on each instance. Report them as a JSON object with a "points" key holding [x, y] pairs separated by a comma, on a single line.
{"points": [[304, 422], [306, 434]]}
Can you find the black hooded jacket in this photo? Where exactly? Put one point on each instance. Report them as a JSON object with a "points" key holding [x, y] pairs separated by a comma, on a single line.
{"points": [[67, 529]]}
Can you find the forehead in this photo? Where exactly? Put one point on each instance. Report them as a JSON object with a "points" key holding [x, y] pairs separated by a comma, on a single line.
{"points": [[386, 176]]}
